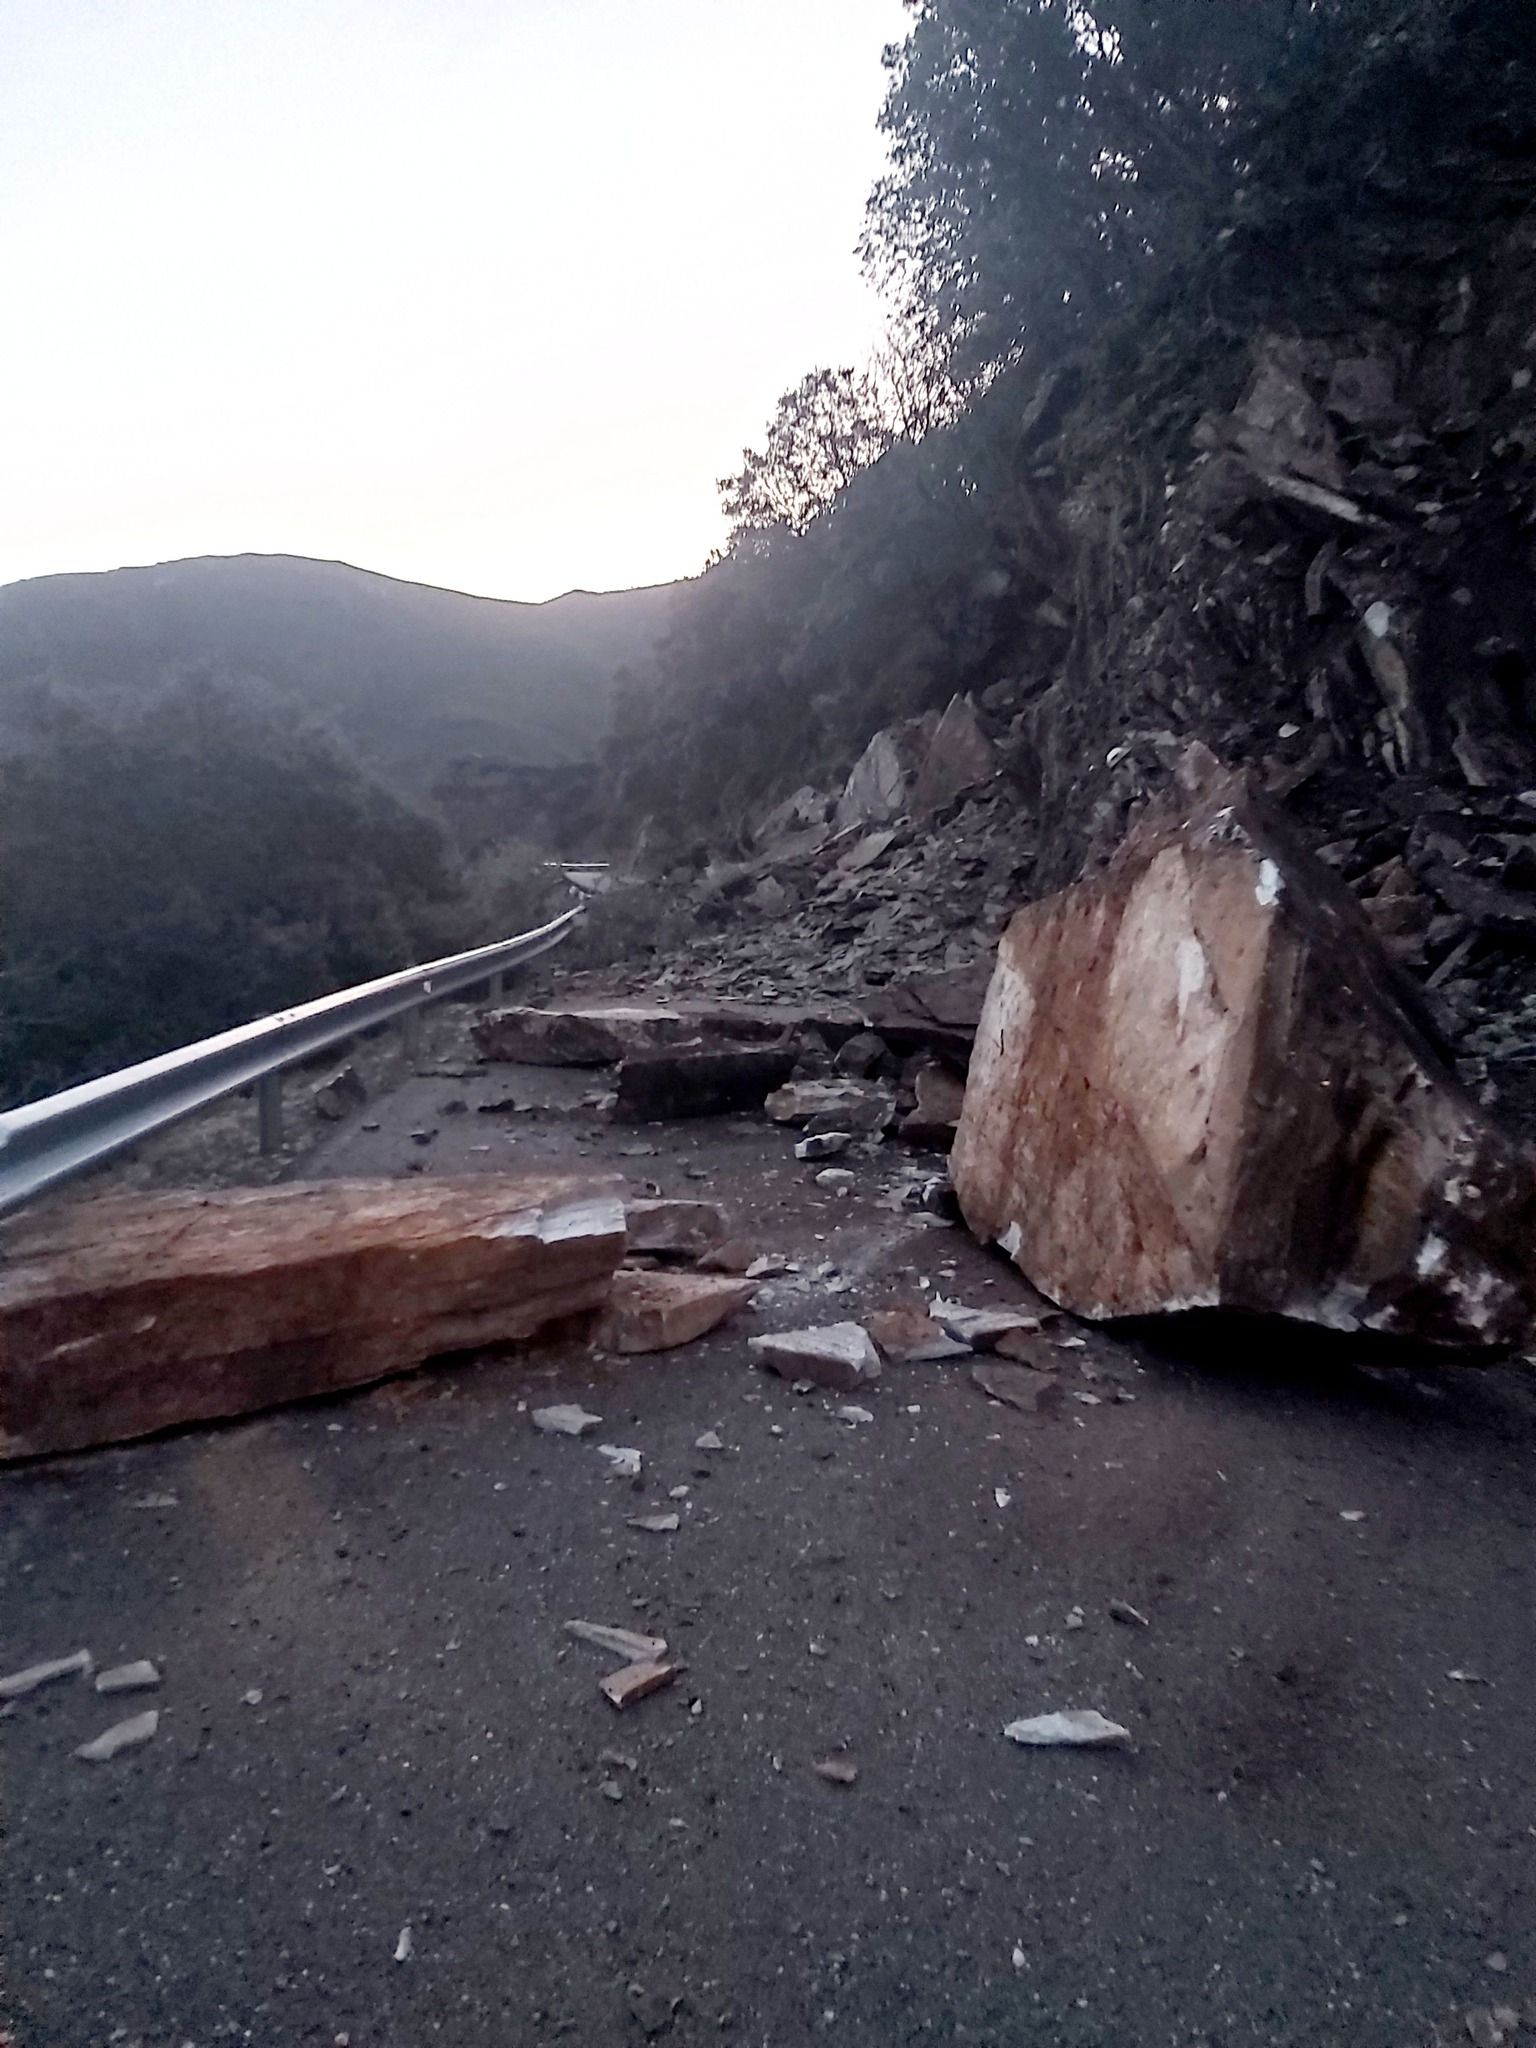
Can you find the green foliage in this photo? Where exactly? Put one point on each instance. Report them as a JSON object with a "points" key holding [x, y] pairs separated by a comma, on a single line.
{"points": [[822, 434], [1051, 158], [199, 864], [1092, 208]]}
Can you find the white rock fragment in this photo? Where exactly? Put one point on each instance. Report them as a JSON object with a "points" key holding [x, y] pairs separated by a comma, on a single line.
{"points": [[824, 1145], [404, 1946], [709, 1441], [623, 1462], [657, 1525], [851, 1412], [1076, 1728], [565, 1419], [122, 1735], [980, 1328], [20, 1683], [839, 1355], [1002, 1496], [138, 1677], [619, 1642]]}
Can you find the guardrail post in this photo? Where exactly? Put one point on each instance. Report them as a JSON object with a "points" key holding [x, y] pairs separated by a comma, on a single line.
{"points": [[497, 986], [410, 1036], [269, 1112]]}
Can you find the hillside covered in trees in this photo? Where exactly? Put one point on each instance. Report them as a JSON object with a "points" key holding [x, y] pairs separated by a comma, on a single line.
{"points": [[231, 785], [1209, 410], [411, 676]]}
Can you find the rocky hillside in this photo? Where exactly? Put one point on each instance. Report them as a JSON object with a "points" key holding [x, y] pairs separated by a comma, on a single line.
{"points": [[1276, 496], [414, 677]]}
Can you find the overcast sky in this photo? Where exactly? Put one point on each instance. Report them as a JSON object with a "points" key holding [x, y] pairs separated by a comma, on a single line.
{"points": [[479, 292]]}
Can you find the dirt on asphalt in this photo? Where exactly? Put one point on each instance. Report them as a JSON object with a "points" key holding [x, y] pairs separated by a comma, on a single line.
{"points": [[373, 1721]]}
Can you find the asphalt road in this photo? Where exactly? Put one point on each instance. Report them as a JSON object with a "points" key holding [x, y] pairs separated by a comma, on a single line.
{"points": [[372, 1720]]}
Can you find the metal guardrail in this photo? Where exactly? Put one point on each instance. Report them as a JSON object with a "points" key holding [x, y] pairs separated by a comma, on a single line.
{"points": [[45, 1142]]}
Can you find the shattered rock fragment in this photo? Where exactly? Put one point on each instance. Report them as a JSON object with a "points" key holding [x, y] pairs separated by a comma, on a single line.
{"points": [[1200, 1083], [912, 1336], [623, 1460], [619, 1642], [20, 1683], [959, 757], [855, 1105], [1018, 1386], [636, 1682], [862, 1056], [341, 1094], [940, 1099], [565, 1418], [123, 1735], [141, 1676], [981, 1328], [130, 1313], [658, 1311], [666, 1524], [839, 1355], [734, 1256], [824, 1145], [674, 1228], [1076, 1728], [837, 1770]]}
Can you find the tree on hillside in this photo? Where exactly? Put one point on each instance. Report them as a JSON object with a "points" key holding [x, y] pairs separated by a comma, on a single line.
{"points": [[1049, 156], [195, 866], [821, 435], [832, 426]]}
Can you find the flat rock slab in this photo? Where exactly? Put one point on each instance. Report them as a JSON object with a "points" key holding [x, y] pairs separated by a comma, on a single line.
{"points": [[840, 1355], [134, 1313], [659, 1311], [850, 1105], [673, 1227], [1199, 1082], [602, 1034]]}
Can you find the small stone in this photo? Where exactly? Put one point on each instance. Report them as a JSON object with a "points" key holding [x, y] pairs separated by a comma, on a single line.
{"points": [[139, 1677], [824, 1145], [619, 1642], [660, 1311], [623, 1461], [709, 1441], [837, 1770], [656, 1525], [840, 1355], [911, 1335], [1123, 1611], [837, 1180], [1077, 1728], [565, 1419], [122, 1735], [20, 1683], [634, 1682]]}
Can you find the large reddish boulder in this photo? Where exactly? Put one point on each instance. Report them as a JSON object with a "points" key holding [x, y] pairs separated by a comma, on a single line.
{"points": [[1199, 1082]]}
